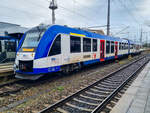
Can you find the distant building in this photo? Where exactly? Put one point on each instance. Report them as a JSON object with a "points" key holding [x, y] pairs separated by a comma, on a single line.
{"points": [[9, 29], [97, 31]]}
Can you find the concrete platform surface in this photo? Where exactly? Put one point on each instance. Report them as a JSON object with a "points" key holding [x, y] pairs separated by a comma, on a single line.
{"points": [[137, 97]]}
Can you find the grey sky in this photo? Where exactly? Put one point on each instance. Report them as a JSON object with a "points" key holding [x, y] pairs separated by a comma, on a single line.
{"points": [[80, 13]]}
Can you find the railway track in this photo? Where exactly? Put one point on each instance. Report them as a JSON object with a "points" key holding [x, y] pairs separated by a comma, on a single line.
{"points": [[94, 97]]}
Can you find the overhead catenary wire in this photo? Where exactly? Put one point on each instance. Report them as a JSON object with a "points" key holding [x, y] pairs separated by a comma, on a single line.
{"points": [[128, 11], [122, 30], [97, 26], [88, 8]]}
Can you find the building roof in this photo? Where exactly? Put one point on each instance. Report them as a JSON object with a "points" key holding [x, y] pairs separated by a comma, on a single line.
{"points": [[9, 28]]}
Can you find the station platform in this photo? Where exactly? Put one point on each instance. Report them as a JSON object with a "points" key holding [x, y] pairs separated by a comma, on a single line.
{"points": [[137, 97], [6, 67]]}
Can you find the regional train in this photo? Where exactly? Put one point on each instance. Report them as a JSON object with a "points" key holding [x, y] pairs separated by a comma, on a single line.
{"points": [[56, 48]]}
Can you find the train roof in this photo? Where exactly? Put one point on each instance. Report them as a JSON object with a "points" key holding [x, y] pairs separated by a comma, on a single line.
{"points": [[68, 30], [133, 42]]}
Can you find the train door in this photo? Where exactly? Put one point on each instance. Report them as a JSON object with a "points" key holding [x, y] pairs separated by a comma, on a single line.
{"points": [[116, 49], [65, 48], [102, 49]]}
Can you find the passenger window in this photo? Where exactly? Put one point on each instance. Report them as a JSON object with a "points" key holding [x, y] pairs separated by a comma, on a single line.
{"points": [[124, 46], [75, 44], [120, 46], [1, 46], [94, 45], [56, 47], [86, 45], [132, 46], [107, 47], [112, 47], [10, 46]]}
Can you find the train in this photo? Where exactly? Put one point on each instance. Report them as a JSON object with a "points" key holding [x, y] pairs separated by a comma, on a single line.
{"points": [[8, 47], [56, 48]]}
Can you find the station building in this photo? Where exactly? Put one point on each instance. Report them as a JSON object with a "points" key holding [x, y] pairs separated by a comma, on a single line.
{"points": [[10, 34]]}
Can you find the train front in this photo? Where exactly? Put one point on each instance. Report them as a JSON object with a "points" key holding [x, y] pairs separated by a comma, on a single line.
{"points": [[24, 63]]}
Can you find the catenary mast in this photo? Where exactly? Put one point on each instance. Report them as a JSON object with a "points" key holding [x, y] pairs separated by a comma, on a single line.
{"points": [[53, 6]]}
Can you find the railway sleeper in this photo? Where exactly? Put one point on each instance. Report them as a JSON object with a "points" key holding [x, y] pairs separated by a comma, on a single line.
{"points": [[91, 98], [108, 86], [110, 82], [80, 108], [85, 102], [110, 106], [61, 110], [94, 94], [113, 102], [99, 91], [71, 109], [115, 79], [104, 89]]}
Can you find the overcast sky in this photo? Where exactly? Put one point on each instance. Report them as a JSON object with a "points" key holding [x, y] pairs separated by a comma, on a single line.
{"points": [[130, 15]]}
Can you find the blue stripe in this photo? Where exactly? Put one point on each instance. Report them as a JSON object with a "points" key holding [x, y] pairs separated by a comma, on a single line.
{"points": [[110, 58], [37, 71], [91, 62], [21, 41]]}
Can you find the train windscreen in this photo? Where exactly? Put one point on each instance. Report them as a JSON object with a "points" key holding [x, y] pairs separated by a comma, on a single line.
{"points": [[32, 38]]}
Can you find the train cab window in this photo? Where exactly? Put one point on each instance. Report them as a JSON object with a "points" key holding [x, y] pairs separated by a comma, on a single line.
{"points": [[75, 44], [86, 45], [94, 45], [112, 47], [120, 46], [56, 46], [107, 47]]}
